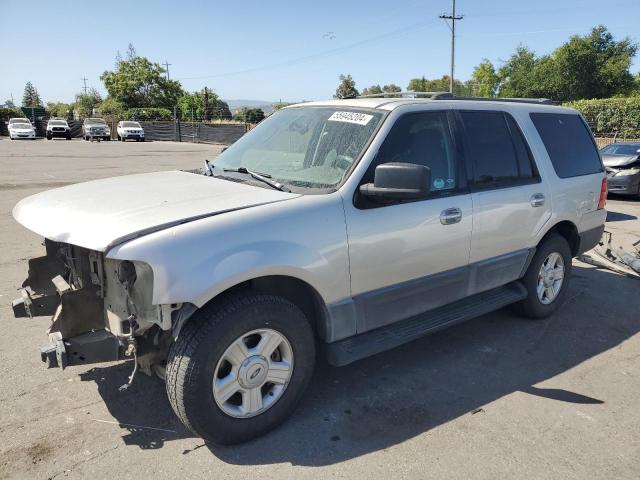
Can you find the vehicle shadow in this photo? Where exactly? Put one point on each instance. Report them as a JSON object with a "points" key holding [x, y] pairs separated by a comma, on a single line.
{"points": [[395, 396], [619, 217]]}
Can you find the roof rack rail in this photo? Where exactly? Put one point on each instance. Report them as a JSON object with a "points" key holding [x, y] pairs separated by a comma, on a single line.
{"points": [[449, 96], [407, 94]]}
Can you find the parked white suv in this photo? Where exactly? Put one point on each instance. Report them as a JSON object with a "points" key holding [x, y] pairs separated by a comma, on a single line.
{"points": [[130, 130], [348, 227]]}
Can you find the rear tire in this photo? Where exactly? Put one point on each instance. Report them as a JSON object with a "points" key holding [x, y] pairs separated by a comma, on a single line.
{"points": [[547, 278], [196, 367]]}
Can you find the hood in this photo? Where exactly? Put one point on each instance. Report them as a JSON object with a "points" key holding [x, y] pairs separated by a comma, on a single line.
{"points": [[102, 213], [618, 160]]}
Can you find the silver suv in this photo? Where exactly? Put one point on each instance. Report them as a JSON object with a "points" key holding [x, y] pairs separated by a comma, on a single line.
{"points": [[342, 227], [95, 128]]}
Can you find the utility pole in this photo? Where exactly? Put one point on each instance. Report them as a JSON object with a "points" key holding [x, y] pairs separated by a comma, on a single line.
{"points": [[84, 79], [166, 67], [452, 27]]}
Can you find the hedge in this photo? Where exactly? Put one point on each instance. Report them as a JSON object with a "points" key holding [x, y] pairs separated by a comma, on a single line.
{"points": [[7, 113], [611, 115], [148, 114]]}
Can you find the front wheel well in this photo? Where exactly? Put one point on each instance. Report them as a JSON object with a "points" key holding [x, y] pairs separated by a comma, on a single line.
{"points": [[569, 232], [297, 291]]}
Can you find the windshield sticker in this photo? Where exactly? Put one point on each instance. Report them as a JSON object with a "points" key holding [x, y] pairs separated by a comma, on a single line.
{"points": [[438, 183], [351, 117]]}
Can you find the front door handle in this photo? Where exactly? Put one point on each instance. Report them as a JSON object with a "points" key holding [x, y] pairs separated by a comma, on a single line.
{"points": [[450, 216], [537, 200]]}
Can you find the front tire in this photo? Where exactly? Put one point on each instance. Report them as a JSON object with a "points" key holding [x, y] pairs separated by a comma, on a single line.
{"points": [[240, 366], [547, 278]]}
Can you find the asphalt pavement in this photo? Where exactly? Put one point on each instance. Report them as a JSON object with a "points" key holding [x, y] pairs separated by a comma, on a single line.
{"points": [[497, 397]]}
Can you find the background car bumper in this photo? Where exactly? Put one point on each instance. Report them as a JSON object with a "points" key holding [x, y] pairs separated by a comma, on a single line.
{"points": [[624, 185], [59, 134]]}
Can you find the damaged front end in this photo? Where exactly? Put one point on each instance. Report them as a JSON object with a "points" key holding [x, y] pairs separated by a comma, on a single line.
{"points": [[101, 309]]}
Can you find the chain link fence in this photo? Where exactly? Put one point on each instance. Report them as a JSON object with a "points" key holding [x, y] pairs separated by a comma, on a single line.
{"points": [[604, 139], [174, 131]]}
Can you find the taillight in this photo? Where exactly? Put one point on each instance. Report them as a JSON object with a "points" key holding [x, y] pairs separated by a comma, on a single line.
{"points": [[602, 201]]}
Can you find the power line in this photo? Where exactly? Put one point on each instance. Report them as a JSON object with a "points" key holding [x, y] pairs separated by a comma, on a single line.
{"points": [[166, 67], [84, 79], [453, 19], [333, 51]]}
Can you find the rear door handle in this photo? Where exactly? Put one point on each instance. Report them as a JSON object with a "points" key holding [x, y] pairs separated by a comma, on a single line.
{"points": [[537, 200], [450, 216]]}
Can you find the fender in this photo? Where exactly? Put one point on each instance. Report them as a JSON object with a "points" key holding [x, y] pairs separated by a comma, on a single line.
{"points": [[195, 261]]}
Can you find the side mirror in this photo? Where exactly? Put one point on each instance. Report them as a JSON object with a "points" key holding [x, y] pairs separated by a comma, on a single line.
{"points": [[399, 181]]}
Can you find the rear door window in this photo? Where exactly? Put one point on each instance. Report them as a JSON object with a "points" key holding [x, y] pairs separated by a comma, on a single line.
{"points": [[569, 144], [498, 151]]}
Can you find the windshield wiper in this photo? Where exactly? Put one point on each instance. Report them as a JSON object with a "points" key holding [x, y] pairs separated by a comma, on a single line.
{"points": [[262, 177]]}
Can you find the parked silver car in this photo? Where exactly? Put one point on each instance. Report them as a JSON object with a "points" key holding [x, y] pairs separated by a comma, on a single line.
{"points": [[95, 128], [622, 161], [344, 227]]}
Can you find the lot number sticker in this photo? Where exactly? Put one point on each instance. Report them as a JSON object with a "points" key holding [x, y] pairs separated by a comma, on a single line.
{"points": [[351, 117]]}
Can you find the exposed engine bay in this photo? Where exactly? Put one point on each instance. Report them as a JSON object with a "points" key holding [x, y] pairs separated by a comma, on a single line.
{"points": [[101, 309]]}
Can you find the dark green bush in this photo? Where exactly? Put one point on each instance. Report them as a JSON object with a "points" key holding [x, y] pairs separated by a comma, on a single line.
{"points": [[7, 113], [148, 114], [611, 115]]}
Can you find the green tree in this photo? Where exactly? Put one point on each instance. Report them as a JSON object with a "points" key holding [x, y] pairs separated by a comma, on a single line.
{"points": [[437, 85], [593, 66], [112, 109], [203, 105], [249, 115], [484, 80], [515, 74], [418, 85], [86, 103], [59, 109], [31, 98], [189, 104], [138, 82], [372, 90], [590, 66], [346, 88], [635, 90], [391, 88]]}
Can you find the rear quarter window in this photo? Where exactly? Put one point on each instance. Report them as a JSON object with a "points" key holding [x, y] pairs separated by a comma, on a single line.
{"points": [[569, 144]]}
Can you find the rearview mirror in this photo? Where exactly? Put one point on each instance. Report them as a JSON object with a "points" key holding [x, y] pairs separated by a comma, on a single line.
{"points": [[401, 181]]}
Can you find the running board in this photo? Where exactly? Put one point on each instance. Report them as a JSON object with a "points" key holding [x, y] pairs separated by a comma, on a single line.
{"points": [[385, 338]]}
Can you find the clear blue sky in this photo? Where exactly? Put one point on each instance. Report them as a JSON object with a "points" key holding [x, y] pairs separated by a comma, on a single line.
{"points": [[282, 49]]}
